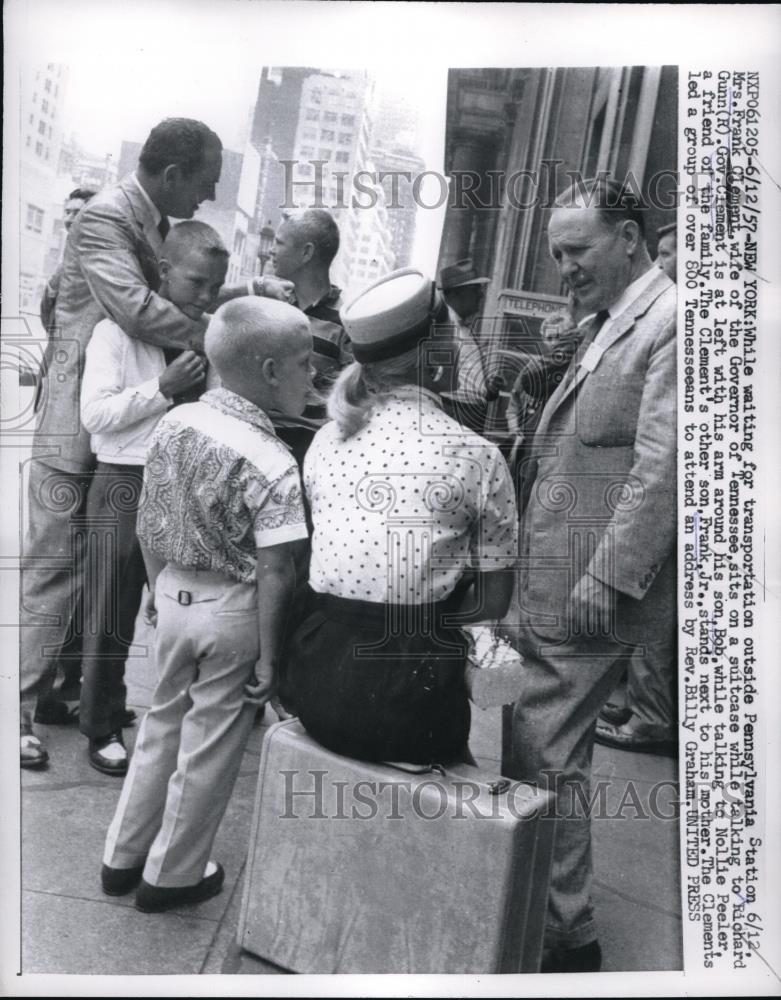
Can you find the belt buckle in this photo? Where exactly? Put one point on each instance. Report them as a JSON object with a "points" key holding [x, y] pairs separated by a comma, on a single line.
{"points": [[184, 597]]}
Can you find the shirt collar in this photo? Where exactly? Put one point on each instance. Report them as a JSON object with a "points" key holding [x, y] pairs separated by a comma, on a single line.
{"points": [[633, 292], [328, 298], [229, 402], [154, 211]]}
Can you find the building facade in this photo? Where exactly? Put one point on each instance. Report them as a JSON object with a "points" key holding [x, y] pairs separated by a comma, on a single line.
{"points": [[315, 130], [512, 137], [43, 88]]}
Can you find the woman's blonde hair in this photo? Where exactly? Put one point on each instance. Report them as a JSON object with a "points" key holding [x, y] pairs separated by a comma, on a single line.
{"points": [[360, 387]]}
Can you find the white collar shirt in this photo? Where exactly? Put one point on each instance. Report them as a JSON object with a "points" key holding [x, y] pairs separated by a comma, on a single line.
{"points": [[408, 504]]}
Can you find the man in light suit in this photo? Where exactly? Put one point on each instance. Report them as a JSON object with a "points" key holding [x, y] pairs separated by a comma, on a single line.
{"points": [[110, 269], [597, 575]]}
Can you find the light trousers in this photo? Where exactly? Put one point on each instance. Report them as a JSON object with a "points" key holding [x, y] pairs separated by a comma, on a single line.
{"points": [[191, 741], [552, 745]]}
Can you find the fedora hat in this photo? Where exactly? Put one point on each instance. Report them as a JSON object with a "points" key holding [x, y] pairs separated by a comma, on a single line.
{"points": [[392, 315], [462, 272]]}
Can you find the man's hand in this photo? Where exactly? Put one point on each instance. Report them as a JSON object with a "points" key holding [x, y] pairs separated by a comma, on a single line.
{"points": [[274, 288], [592, 603], [260, 689], [182, 374]]}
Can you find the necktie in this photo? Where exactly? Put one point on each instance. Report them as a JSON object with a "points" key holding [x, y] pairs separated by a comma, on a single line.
{"points": [[592, 330], [163, 227], [191, 395]]}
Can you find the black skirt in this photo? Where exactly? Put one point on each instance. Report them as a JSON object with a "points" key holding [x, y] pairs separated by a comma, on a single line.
{"points": [[381, 682]]}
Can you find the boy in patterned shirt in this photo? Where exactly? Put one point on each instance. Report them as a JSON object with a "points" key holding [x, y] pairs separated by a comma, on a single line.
{"points": [[219, 515]]}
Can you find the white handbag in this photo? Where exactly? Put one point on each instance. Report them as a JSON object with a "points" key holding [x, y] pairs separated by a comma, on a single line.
{"points": [[494, 671]]}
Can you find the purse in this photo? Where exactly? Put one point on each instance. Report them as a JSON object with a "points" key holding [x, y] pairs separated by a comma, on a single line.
{"points": [[494, 669]]}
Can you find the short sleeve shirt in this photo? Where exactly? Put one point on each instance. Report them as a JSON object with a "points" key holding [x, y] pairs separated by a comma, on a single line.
{"points": [[408, 504], [218, 484]]}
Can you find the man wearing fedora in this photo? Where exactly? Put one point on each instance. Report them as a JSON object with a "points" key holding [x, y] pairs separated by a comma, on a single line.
{"points": [[464, 292]]}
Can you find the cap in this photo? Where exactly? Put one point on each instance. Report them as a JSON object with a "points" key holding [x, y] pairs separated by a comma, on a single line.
{"points": [[393, 314], [463, 272]]}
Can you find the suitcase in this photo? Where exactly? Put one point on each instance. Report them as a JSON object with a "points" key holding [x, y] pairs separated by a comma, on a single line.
{"points": [[356, 867]]}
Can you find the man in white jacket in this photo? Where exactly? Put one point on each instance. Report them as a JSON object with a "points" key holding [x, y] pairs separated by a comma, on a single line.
{"points": [[127, 386]]}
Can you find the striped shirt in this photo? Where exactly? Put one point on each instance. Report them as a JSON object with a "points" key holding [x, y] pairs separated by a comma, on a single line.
{"points": [[331, 347], [218, 484]]}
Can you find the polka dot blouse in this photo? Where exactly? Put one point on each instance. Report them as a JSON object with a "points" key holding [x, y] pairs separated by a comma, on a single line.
{"points": [[406, 505]]}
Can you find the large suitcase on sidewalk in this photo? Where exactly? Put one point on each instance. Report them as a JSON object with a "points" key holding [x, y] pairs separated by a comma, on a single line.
{"points": [[366, 868]]}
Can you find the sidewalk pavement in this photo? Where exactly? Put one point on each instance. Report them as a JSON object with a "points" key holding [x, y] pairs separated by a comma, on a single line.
{"points": [[70, 927]]}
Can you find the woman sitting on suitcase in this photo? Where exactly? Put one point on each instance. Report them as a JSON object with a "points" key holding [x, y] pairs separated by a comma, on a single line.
{"points": [[409, 509]]}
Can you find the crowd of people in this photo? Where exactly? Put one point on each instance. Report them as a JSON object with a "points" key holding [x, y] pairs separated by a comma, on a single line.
{"points": [[242, 452]]}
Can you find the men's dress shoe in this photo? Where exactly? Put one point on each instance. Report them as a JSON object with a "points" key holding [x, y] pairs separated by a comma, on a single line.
{"points": [[119, 881], [663, 744], [31, 753], [52, 712], [615, 714], [586, 958], [155, 899], [109, 755]]}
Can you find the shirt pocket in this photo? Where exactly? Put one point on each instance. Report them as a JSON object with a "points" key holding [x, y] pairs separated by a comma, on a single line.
{"points": [[607, 409]]}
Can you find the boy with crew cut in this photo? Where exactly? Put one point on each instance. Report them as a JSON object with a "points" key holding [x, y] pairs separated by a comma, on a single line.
{"points": [[219, 515], [126, 387]]}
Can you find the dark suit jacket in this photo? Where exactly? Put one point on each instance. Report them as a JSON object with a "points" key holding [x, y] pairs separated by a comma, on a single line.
{"points": [[603, 499], [109, 269]]}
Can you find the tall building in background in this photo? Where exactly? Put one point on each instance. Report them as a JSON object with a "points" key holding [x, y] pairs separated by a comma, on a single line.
{"points": [[315, 130], [43, 87], [401, 207]]}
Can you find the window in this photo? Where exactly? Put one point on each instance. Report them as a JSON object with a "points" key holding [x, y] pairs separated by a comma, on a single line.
{"points": [[329, 116], [309, 133], [42, 128], [32, 119], [39, 148], [324, 154], [316, 97], [342, 156], [312, 115], [44, 106], [27, 290], [307, 151], [346, 138], [34, 219], [327, 135], [348, 119], [29, 141], [47, 86]]}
